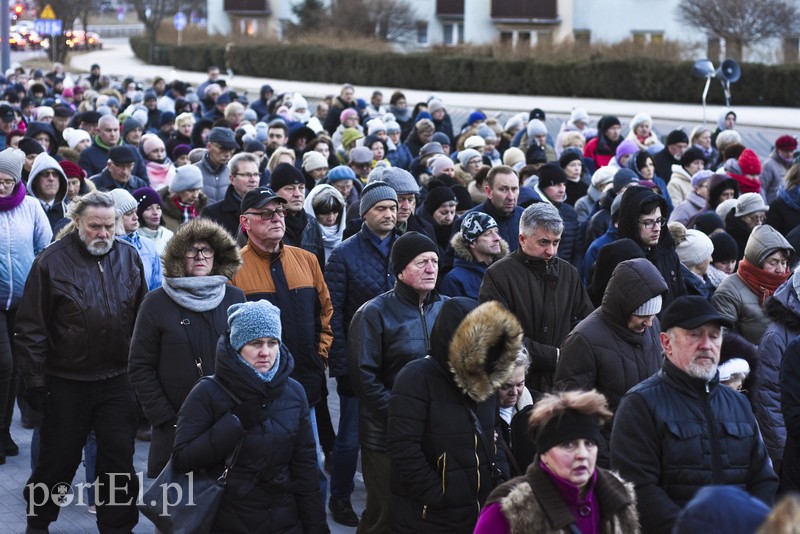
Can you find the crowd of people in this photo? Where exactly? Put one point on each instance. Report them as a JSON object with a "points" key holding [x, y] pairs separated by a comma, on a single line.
{"points": [[588, 330]]}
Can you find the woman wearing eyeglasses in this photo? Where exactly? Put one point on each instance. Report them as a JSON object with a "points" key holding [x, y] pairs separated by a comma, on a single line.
{"points": [[178, 326], [24, 232], [740, 298]]}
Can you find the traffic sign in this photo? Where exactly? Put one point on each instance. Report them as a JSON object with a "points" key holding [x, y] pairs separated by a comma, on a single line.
{"points": [[47, 13], [48, 26], [179, 21]]}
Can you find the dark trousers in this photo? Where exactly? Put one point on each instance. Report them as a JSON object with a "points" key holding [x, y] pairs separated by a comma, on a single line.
{"points": [[375, 467], [9, 371], [74, 408]]}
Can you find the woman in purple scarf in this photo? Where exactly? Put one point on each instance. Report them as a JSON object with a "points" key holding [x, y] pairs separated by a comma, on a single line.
{"points": [[562, 490], [24, 232]]}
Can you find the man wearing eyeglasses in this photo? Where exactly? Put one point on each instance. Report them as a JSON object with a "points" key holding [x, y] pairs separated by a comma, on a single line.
{"points": [[291, 279], [244, 177], [48, 184], [220, 146], [119, 171], [642, 218]]}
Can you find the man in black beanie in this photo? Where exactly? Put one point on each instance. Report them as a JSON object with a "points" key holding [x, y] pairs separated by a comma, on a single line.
{"points": [[552, 188], [675, 145], [385, 334]]}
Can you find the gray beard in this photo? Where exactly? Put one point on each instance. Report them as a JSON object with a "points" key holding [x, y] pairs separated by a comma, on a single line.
{"points": [[96, 247], [700, 372]]}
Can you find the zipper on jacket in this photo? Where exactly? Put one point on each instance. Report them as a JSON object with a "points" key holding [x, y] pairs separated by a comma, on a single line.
{"points": [[424, 327], [716, 465], [477, 470], [441, 463], [424, 511]]}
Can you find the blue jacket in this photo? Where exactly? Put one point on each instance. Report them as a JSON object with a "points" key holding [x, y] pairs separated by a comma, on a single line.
{"points": [[400, 157], [24, 232], [590, 258], [357, 271], [507, 225], [150, 260], [464, 279]]}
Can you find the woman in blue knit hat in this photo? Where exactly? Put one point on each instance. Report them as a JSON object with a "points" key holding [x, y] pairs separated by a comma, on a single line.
{"points": [[273, 485]]}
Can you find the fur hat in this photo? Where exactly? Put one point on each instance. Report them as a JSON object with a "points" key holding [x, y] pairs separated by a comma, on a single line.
{"points": [[749, 162], [373, 193], [639, 119], [186, 178], [407, 247], [253, 320]]}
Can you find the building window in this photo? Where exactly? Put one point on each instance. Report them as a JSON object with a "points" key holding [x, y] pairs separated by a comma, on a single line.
{"points": [[422, 32], [453, 33], [641, 37], [582, 37]]}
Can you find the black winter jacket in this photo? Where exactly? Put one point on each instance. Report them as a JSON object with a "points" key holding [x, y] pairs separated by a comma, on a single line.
{"points": [[226, 212], [790, 408], [385, 334], [274, 485], [356, 272], [77, 312], [674, 434]]}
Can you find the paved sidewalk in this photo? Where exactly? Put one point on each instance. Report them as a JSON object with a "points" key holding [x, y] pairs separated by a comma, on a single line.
{"points": [[75, 519]]}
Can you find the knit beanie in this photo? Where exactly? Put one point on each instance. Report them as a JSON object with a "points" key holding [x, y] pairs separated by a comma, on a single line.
{"points": [[146, 197], [786, 142], [551, 174], [253, 320], [130, 124], [74, 136], [44, 112], [475, 141], [535, 154], [649, 307], [623, 178], [374, 126], [11, 162], [435, 105], [439, 163], [708, 222], [351, 134], [341, 172], [151, 142], [603, 177], [465, 155], [166, 117], [252, 147], [407, 247], [29, 146], [725, 247], [486, 133], [428, 149], [123, 201], [474, 224], [536, 127], [392, 127], [361, 154], [695, 249], [347, 113], [373, 193], [181, 150], [639, 119], [400, 180], [463, 197], [72, 170], [568, 156], [677, 136], [475, 116], [626, 148], [512, 156], [700, 176], [186, 178], [692, 154], [313, 160], [285, 174], [438, 196], [749, 162], [579, 115]]}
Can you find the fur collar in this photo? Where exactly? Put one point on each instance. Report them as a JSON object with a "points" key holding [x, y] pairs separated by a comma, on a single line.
{"points": [[227, 259], [483, 349], [462, 252]]}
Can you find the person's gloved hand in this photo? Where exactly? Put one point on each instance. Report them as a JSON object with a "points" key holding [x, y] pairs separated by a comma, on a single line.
{"points": [[250, 413], [36, 397], [343, 387]]}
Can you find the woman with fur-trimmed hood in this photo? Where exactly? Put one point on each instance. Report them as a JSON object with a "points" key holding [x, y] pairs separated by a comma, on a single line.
{"points": [[442, 417], [563, 491], [179, 325]]}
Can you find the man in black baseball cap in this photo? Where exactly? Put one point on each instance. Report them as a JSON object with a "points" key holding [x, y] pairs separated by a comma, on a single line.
{"points": [[681, 430], [259, 197]]}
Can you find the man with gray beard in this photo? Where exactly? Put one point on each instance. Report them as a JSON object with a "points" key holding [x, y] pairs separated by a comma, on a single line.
{"points": [[681, 430], [73, 332]]}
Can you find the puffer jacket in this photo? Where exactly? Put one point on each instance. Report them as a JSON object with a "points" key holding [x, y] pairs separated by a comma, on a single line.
{"points": [[385, 334], [464, 279], [274, 485], [441, 472], [663, 254], [173, 345], [790, 408], [532, 504], [357, 271], [292, 280], [680, 185], [215, 181], [602, 352], [571, 247], [772, 172], [548, 298], [64, 327], [226, 212], [674, 434], [783, 309], [784, 211], [58, 210], [24, 232]]}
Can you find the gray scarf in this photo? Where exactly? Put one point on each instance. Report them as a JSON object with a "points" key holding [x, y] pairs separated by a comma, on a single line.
{"points": [[196, 293]]}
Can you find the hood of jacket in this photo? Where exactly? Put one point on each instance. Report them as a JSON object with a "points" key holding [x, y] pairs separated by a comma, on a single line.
{"points": [[43, 162], [462, 251], [630, 210], [227, 259], [308, 205], [477, 343], [633, 283], [679, 173], [784, 306], [35, 128], [243, 379], [763, 241]]}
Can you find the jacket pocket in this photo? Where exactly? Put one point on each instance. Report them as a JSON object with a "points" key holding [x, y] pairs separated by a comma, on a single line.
{"points": [[684, 444], [739, 442]]}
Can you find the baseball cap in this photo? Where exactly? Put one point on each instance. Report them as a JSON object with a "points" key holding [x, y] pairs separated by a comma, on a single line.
{"points": [[259, 197]]}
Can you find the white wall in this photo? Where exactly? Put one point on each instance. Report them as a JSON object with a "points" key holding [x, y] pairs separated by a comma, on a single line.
{"points": [[614, 20], [218, 21], [478, 26]]}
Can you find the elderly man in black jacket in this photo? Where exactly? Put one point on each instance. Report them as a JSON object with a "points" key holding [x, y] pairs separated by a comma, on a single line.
{"points": [[680, 430], [73, 332]]}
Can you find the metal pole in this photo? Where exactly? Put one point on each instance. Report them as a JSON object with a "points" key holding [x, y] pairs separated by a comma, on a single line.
{"points": [[5, 30], [705, 94]]}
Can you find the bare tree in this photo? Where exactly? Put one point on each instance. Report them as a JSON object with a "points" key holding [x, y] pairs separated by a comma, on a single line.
{"points": [[387, 20], [67, 11], [740, 22], [151, 13]]}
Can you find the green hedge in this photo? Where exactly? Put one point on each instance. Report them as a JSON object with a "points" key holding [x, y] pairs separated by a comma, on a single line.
{"points": [[631, 79]]}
